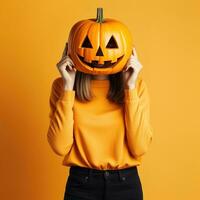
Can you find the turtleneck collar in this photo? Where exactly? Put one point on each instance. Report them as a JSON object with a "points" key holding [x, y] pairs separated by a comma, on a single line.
{"points": [[100, 83]]}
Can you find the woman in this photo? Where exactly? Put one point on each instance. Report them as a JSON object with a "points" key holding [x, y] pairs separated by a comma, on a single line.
{"points": [[101, 125]]}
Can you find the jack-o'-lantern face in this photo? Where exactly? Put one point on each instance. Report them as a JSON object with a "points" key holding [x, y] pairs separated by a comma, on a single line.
{"points": [[99, 46]]}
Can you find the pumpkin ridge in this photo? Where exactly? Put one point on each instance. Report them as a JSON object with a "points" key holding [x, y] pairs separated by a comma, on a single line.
{"points": [[87, 35]]}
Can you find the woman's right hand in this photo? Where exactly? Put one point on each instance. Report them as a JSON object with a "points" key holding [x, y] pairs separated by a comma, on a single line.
{"points": [[66, 69]]}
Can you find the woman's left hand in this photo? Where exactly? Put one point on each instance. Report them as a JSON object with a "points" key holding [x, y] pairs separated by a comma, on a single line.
{"points": [[131, 70]]}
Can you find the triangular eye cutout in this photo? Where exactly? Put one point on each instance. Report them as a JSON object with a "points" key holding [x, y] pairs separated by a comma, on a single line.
{"points": [[112, 43], [86, 43]]}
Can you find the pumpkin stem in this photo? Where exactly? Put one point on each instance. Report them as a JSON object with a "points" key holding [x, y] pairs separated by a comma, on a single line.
{"points": [[99, 15]]}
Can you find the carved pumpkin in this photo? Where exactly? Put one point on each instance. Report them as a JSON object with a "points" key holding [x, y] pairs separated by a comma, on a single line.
{"points": [[99, 46]]}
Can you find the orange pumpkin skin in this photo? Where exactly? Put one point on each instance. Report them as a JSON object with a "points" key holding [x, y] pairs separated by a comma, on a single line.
{"points": [[99, 47]]}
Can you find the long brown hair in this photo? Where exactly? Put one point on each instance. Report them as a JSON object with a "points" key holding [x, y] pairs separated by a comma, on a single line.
{"points": [[83, 92]]}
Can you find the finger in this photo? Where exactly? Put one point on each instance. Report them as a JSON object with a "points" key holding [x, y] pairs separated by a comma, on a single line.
{"points": [[64, 60], [71, 61], [64, 51], [67, 64], [67, 69], [70, 67], [127, 64], [67, 59], [127, 68], [134, 52], [67, 48], [131, 67]]}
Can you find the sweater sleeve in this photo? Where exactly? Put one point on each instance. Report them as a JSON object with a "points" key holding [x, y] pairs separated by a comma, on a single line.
{"points": [[139, 131], [60, 130]]}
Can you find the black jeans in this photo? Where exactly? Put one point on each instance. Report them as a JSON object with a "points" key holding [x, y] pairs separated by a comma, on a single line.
{"points": [[93, 184]]}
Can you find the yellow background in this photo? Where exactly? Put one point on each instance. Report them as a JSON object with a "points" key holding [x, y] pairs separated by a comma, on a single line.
{"points": [[33, 35]]}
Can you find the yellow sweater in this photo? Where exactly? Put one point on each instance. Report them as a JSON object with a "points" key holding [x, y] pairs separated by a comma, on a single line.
{"points": [[100, 134]]}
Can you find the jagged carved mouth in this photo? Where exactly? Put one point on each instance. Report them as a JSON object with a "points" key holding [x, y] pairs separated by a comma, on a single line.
{"points": [[94, 63]]}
